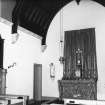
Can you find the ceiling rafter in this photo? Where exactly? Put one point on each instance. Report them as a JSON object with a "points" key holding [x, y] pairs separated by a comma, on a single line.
{"points": [[36, 15]]}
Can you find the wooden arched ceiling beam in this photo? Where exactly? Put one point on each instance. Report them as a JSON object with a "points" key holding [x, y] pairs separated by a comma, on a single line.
{"points": [[102, 2], [36, 15]]}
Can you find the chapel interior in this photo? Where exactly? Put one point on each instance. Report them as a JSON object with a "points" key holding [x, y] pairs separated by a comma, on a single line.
{"points": [[56, 56]]}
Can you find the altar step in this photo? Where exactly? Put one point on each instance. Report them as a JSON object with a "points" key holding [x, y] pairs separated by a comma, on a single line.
{"points": [[83, 102]]}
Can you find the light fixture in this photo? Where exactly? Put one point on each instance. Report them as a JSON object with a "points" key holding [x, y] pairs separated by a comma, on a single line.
{"points": [[61, 59], [12, 65]]}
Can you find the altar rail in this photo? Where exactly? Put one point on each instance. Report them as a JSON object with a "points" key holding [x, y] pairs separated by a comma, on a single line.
{"points": [[9, 97]]}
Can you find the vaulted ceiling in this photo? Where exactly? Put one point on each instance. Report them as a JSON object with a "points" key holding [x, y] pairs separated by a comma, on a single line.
{"points": [[36, 15]]}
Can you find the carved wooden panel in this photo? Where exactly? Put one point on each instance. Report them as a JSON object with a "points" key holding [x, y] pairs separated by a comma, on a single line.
{"points": [[3, 81], [78, 89]]}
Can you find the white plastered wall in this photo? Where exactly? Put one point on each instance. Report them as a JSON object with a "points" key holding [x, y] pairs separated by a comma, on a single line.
{"points": [[25, 52], [88, 14]]}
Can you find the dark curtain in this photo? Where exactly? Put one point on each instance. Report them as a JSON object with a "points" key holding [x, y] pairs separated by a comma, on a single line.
{"points": [[85, 41]]}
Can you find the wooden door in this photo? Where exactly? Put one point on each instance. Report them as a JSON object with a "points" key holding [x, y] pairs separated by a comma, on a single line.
{"points": [[37, 95], [80, 67]]}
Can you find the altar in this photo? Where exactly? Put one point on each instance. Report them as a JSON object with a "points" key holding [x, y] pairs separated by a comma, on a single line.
{"points": [[78, 89], [80, 73]]}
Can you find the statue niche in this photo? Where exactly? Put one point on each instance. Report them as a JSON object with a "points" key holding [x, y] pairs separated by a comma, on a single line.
{"points": [[80, 67]]}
